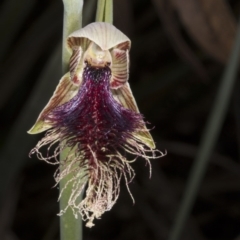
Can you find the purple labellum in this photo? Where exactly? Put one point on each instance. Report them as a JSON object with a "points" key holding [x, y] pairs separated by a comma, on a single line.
{"points": [[101, 131], [93, 120]]}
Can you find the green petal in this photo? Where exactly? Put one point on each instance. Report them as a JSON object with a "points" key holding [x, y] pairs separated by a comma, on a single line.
{"points": [[125, 97], [64, 92]]}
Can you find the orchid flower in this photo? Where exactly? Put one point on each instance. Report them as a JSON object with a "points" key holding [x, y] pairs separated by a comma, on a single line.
{"points": [[93, 114]]}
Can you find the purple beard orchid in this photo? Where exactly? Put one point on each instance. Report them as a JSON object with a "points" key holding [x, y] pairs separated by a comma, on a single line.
{"points": [[94, 117]]}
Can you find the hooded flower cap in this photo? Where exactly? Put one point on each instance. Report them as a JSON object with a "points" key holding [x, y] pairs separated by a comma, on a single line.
{"points": [[94, 117]]}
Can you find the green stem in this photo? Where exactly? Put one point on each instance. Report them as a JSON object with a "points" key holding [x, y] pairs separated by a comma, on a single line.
{"points": [[109, 11], [209, 138], [71, 228], [100, 11], [104, 11], [72, 21]]}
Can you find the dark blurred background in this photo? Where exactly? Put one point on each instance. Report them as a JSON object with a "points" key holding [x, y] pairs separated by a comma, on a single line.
{"points": [[179, 51]]}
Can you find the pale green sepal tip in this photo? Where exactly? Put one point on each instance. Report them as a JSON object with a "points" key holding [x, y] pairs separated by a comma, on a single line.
{"points": [[39, 127]]}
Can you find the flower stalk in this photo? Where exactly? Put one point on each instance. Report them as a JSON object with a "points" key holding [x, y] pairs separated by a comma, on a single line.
{"points": [[109, 11], [72, 21], [100, 11], [70, 227], [105, 11]]}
